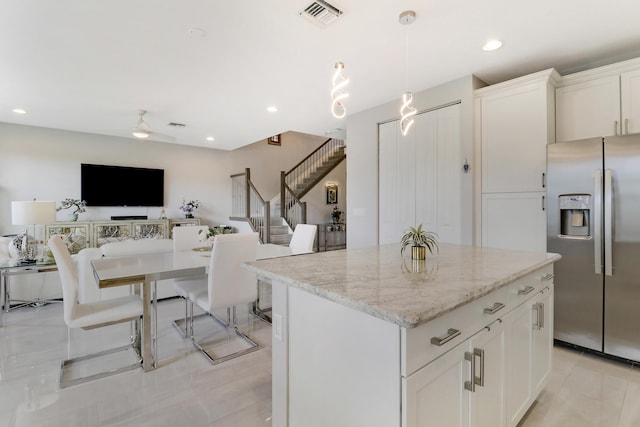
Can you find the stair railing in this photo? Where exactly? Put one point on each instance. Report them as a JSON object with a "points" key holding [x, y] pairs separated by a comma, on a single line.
{"points": [[301, 178], [248, 205], [293, 210], [304, 169]]}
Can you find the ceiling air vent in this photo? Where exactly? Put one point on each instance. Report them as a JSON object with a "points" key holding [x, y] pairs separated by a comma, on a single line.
{"points": [[321, 13]]}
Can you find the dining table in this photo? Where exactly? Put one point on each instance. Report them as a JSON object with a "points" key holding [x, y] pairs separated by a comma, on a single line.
{"points": [[148, 269]]}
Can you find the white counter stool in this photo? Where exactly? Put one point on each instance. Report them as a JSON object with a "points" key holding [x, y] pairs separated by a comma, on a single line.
{"points": [[227, 285], [93, 315]]}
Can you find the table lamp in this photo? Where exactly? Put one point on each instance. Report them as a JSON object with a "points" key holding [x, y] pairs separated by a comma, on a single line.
{"points": [[31, 213]]}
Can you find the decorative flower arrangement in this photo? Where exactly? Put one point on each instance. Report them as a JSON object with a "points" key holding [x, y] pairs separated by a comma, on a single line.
{"points": [[189, 207], [79, 205], [336, 214], [209, 234]]}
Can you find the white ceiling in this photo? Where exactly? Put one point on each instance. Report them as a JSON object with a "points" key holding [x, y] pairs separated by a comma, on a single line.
{"points": [[89, 65]]}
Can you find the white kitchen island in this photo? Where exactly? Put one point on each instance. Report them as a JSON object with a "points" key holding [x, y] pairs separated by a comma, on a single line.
{"points": [[365, 337]]}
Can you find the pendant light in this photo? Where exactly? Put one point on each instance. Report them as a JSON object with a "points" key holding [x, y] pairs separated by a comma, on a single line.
{"points": [[338, 92], [407, 111]]}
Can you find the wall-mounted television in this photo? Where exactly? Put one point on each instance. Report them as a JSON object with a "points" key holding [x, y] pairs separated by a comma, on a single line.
{"points": [[103, 185]]}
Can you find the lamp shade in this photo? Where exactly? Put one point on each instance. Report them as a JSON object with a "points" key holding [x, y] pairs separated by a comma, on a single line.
{"points": [[33, 212]]}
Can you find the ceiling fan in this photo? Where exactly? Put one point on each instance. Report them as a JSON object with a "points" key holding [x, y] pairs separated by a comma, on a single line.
{"points": [[142, 129]]}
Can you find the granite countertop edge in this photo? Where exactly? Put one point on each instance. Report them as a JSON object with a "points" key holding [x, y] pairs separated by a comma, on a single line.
{"points": [[410, 318]]}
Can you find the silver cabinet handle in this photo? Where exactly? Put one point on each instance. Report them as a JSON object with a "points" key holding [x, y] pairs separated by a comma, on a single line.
{"points": [[451, 334], [544, 180], [471, 384], [615, 127], [547, 277], [497, 306], [608, 223], [539, 308], [543, 202], [526, 290], [479, 380], [597, 220]]}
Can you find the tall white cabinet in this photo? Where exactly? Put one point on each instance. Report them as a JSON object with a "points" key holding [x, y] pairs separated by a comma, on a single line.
{"points": [[420, 176], [514, 123], [604, 101]]}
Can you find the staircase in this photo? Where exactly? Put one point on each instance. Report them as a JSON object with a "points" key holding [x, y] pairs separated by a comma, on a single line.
{"points": [[306, 175], [319, 171], [273, 223], [279, 232]]}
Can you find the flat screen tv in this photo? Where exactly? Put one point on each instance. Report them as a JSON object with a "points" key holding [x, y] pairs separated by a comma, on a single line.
{"points": [[103, 185]]}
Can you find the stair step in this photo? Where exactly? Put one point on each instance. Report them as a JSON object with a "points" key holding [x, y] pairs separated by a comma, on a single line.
{"points": [[281, 239], [279, 229], [276, 221]]}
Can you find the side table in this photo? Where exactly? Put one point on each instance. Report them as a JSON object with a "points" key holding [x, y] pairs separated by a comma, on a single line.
{"points": [[12, 267]]}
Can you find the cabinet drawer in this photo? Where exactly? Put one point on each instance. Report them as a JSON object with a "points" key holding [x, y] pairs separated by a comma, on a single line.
{"points": [[451, 328], [528, 286]]}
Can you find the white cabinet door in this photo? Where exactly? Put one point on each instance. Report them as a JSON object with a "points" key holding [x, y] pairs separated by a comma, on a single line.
{"points": [[427, 171], [542, 339], [630, 101], [387, 186], [514, 221], [487, 401], [406, 182], [449, 179], [435, 396], [588, 109], [519, 346], [514, 134], [420, 176]]}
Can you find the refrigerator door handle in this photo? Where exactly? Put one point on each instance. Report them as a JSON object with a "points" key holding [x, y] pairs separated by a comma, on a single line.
{"points": [[608, 223], [597, 221]]}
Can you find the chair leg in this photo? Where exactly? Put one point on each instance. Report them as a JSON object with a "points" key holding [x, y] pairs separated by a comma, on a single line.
{"points": [[253, 346], [183, 330], [135, 343]]}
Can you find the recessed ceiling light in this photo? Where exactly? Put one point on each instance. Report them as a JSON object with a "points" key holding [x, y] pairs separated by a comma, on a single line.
{"points": [[19, 111], [210, 138], [492, 45], [272, 109]]}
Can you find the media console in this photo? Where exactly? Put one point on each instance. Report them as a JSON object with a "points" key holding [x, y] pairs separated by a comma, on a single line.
{"points": [[86, 234]]}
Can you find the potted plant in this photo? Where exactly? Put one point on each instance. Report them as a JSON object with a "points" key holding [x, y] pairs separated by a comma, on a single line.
{"points": [[78, 205], [335, 215], [188, 208], [420, 240]]}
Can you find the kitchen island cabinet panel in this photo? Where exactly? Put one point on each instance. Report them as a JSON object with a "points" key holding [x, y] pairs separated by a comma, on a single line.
{"points": [[361, 338], [343, 370]]}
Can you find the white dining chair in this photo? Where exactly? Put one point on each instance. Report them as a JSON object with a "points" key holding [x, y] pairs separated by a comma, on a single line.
{"points": [[227, 285], [187, 238], [93, 315], [303, 237]]}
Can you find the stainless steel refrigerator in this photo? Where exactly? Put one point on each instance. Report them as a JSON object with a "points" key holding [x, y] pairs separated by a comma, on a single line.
{"points": [[593, 221]]}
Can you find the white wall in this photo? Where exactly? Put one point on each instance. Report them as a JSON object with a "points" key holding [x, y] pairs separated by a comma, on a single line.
{"points": [[362, 152], [45, 164]]}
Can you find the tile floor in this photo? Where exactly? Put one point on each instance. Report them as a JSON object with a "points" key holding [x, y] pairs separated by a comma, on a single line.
{"points": [[186, 390], [587, 391]]}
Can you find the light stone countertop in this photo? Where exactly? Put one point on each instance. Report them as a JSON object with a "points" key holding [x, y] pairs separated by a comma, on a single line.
{"points": [[378, 281]]}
